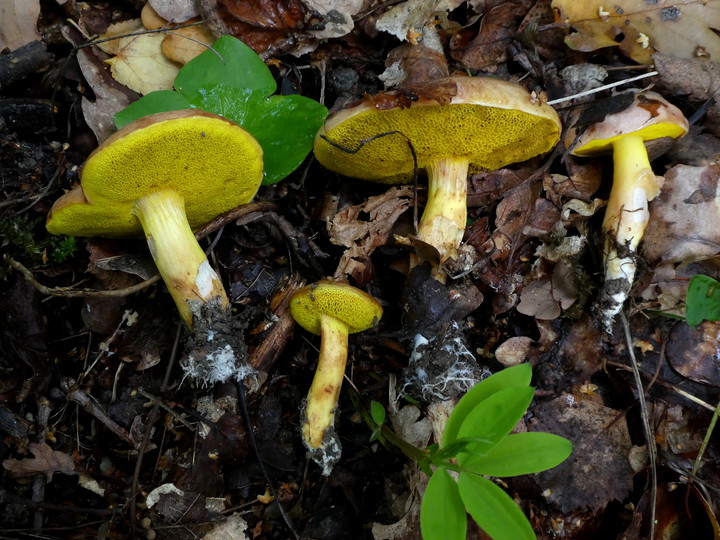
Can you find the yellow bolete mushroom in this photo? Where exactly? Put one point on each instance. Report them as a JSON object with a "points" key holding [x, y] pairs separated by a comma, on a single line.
{"points": [[163, 176], [332, 310], [452, 125], [624, 135]]}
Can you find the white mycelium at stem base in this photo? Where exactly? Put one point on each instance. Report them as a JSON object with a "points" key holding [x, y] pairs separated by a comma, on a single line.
{"points": [[443, 221], [325, 389], [177, 254], [626, 215]]}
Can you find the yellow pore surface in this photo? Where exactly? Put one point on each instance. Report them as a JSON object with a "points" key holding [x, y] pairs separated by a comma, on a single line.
{"points": [[214, 164], [490, 137], [355, 308], [605, 145]]}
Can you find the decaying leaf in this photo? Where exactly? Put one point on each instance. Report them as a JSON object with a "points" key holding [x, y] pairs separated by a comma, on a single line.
{"points": [[546, 298], [364, 227], [683, 29], [598, 470], [685, 218], [46, 461], [17, 23], [139, 62], [696, 78], [695, 352], [497, 29], [181, 44], [413, 21]]}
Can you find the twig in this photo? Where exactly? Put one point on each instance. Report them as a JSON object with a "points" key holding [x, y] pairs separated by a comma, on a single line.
{"points": [[69, 292], [69, 386], [652, 450], [601, 88]]}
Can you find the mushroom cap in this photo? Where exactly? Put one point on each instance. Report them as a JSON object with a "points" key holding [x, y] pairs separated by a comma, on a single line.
{"points": [[489, 121], [213, 163], [649, 115], [357, 309]]}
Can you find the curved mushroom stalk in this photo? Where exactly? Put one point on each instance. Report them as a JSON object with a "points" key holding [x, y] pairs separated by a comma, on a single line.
{"points": [[324, 391], [443, 221], [189, 277], [626, 217]]}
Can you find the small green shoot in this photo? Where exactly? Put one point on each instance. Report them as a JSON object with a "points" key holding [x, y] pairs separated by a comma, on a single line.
{"points": [[378, 414], [703, 300], [232, 81], [477, 442]]}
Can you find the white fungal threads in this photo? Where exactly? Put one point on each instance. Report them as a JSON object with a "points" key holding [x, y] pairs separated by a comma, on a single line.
{"points": [[206, 276]]}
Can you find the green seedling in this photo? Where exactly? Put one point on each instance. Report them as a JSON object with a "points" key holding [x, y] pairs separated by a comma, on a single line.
{"points": [[703, 300], [477, 444], [232, 81]]}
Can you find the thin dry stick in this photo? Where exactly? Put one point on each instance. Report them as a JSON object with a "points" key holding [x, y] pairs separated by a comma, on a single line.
{"points": [[604, 87], [650, 439]]}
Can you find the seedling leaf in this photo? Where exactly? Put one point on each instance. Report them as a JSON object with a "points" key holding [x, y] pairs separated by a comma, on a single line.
{"points": [[495, 417], [493, 509], [703, 300], [519, 375], [520, 453], [442, 513], [232, 81]]}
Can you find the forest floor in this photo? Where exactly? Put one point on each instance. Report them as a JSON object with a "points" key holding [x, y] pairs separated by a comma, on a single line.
{"points": [[105, 435]]}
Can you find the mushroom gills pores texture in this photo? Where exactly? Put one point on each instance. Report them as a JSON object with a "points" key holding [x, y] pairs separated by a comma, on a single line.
{"points": [[433, 132], [357, 309]]}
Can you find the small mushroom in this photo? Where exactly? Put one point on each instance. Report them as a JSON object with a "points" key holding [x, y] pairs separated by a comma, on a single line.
{"points": [[163, 176], [332, 310], [450, 126], [624, 134]]}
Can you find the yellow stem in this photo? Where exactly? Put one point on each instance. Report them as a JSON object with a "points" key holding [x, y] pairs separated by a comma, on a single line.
{"points": [[443, 221], [177, 254], [324, 392]]}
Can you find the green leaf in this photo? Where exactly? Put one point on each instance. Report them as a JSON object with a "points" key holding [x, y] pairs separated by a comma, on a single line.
{"points": [[703, 300], [495, 417], [519, 375], [493, 509], [442, 513], [377, 412], [232, 81], [154, 102], [520, 453], [229, 63]]}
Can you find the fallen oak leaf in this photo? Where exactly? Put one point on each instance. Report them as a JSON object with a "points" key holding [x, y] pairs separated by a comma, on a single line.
{"points": [[639, 28], [46, 461]]}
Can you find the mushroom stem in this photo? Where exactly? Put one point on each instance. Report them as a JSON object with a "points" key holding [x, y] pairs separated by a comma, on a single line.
{"points": [[324, 392], [626, 216], [177, 254], [443, 221]]}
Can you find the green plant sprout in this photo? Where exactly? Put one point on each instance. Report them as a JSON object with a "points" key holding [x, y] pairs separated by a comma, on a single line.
{"points": [[232, 81], [703, 300], [477, 443]]}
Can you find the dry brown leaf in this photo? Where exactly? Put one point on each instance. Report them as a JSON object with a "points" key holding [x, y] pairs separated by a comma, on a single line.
{"points": [[17, 23], [497, 29], [685, 218], [139, 62], [697, 78], [364, 227], [639, 28], [46, 461], [546, 298], [598, 470], [693, 352]]}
